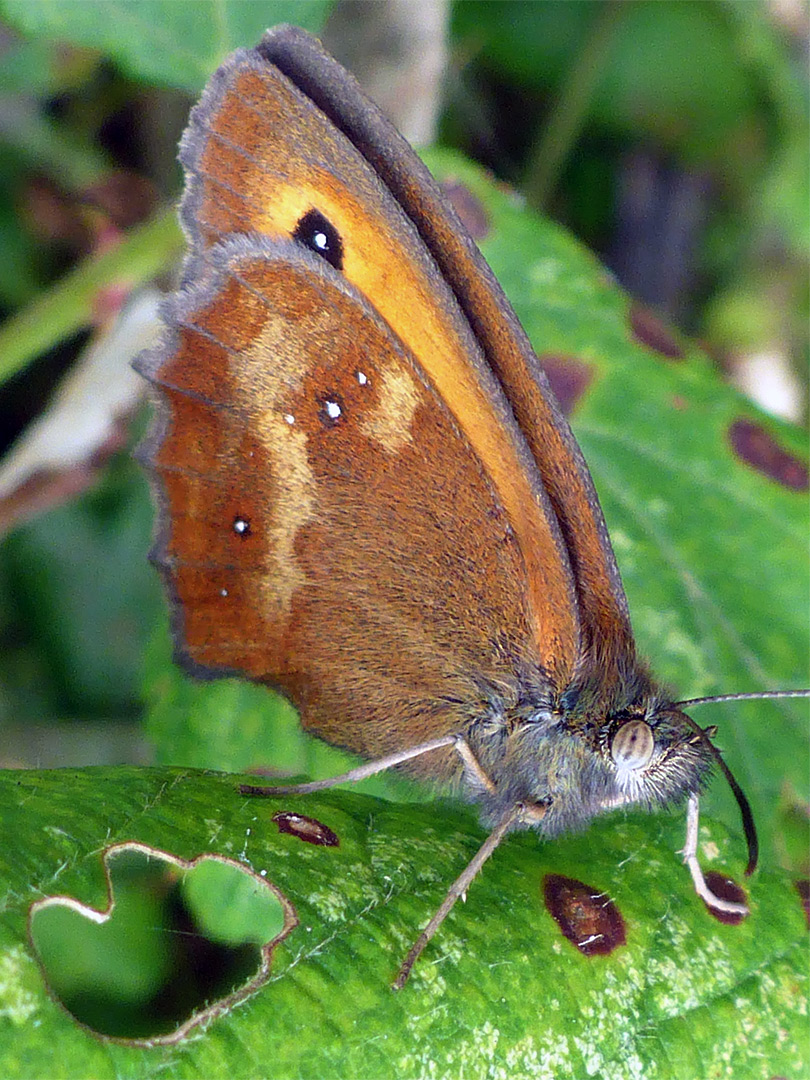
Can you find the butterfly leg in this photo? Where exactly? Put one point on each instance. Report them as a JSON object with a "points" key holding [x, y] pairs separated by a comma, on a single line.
{"points": [[371, 768], [475, 774], [472, 766], [459, 888], [690, 859]]}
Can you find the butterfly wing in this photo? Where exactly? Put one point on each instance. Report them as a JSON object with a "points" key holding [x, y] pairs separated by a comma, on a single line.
{"points": [[323, 514], [507, 352], [313, 526]]}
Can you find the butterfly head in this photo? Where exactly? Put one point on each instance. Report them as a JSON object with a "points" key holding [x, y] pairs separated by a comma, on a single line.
{"points": [[666, 756], [654, 756], [582, 759], [576, 763]]}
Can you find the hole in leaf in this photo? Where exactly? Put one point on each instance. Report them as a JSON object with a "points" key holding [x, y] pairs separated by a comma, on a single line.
{"points": [[177, 943]]}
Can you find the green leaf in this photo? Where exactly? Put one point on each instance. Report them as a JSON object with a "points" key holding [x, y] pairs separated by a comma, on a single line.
{"points": [[162, 41], [714, 561], [500, 991], [87, 598]]}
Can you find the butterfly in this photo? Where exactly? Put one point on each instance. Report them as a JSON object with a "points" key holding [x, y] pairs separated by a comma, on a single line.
{"points": [[368, 495]]}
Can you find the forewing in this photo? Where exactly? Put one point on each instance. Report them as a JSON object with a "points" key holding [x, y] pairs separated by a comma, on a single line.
{"points": [[259, 157]]}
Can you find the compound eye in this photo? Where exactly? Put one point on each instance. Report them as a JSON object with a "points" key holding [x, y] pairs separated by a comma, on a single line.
{"points": [[632, 745]]}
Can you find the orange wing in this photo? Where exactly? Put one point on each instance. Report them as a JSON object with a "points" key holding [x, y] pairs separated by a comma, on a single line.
{"points": [[508, 352], [446, 516], [322, 512]]}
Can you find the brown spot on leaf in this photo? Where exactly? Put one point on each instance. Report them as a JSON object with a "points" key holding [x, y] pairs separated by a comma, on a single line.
{"points": [[469, 208], [758, 448], [649, 330], [726, 889], [803, 889], [587, 917], [305, 828], [569, 379]]}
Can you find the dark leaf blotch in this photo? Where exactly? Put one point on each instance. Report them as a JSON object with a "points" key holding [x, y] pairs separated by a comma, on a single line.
{"points": [[569, 379], [469, 208], [305, 828], [725, 889], [803, 889], [649, 330], [586, 916], [758, 448]]}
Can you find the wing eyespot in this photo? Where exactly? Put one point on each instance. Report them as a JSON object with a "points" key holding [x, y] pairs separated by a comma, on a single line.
{"points": [[318, 234]]}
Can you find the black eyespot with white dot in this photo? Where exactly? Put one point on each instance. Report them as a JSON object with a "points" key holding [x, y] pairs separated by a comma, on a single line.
{"points": [[331, 410], [241, 526], [320, 236]]}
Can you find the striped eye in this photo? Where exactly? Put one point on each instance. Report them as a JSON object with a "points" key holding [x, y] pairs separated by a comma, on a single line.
{"points": [[632, 746]]}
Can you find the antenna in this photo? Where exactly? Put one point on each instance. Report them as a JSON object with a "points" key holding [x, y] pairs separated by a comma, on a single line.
{"points": [[756, 695]]}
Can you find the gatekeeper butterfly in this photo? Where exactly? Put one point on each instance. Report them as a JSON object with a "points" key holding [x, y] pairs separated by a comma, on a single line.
{"points": [[369, 497]]}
